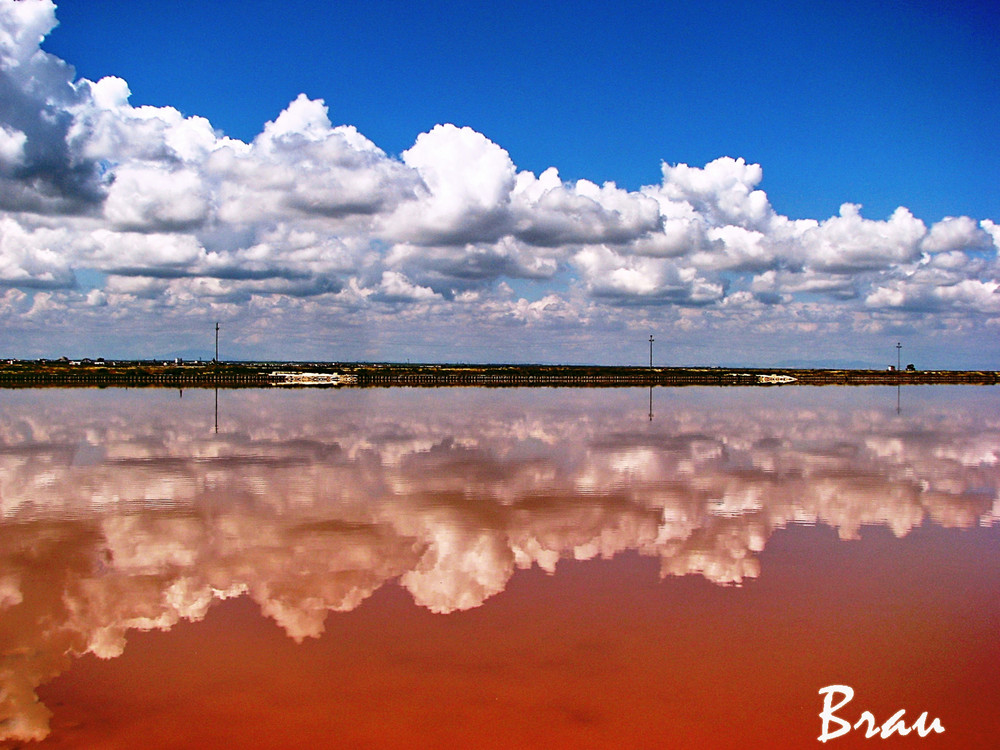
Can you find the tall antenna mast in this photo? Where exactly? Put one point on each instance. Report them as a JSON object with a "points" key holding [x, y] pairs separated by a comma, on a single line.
{"points": [[216, 342], [651, 339]]}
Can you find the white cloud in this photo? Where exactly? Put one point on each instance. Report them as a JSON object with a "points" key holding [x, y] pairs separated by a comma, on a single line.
{"points": [[154, 199], [466, 185], [633, 278], [955, 233], [849, 243], [23, 26], [735, 247], [11, 148], [141, 254], [33, 257], [107, 128], [993, 230], [452, 267], [309, 209], [395, 287], [301, 164], [723, 192], [972, 294], [549, 213]]}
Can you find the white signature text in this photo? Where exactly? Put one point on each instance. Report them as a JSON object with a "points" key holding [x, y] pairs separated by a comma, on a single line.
{"points": [[893, 725]]}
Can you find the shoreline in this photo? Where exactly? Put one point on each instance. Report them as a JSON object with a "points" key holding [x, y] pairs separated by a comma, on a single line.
{"points": [[127, 374]]}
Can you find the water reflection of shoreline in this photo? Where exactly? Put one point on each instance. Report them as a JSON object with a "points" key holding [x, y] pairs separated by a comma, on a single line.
{"points": [[131, 513]]}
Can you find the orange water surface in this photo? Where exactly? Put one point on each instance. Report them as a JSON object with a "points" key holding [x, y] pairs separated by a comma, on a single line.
{"points": [[496, 569], [602, 654]]}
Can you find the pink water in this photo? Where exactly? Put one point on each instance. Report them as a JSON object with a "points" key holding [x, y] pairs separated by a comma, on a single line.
{"points": [[475, 568]]}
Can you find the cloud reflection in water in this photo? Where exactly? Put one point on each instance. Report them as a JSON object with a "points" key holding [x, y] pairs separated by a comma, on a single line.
{"points": [[126, 510]]}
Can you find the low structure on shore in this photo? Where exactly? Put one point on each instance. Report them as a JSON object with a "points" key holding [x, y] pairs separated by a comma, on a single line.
{"points": [[311, 378]]}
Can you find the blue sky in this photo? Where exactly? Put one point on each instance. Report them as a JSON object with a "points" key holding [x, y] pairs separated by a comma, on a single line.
{"points": [[883, 104], [877, 105]]}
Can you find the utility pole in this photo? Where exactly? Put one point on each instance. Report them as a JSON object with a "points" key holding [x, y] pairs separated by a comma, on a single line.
{"points": [[898, 347], [216, 342], [651, 339]]}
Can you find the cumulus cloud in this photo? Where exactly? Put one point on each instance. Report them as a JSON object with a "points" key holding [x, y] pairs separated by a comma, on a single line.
{"points": [[849, 242], [32, 257], [39, 171], [310, 209], [11, 148], [301, 164], [956, 234], [549, 213], [145, 199], [635, 278], [466, 179], [108, 129], [929, 297], [396, 287], [722, 193]]}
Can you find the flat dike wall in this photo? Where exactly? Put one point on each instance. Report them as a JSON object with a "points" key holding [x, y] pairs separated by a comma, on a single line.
{"points": [[138, 377], [641, 376], [259, 375]]}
